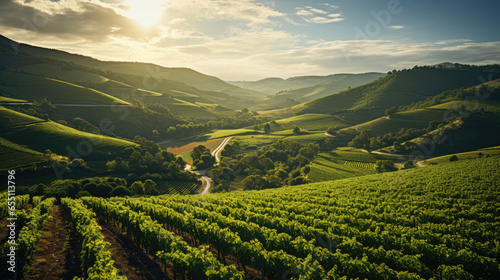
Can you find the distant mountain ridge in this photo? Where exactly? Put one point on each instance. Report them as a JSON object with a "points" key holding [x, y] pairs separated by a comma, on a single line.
{"points": [[273, 85]]}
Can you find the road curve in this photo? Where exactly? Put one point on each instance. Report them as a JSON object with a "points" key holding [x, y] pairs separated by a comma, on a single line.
{"points": [[205, 180]]}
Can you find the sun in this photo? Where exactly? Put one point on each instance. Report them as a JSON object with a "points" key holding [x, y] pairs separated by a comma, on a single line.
{"points": [[144, 12]]}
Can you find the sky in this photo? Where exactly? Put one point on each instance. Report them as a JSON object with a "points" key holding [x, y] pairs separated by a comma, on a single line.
{"points": [[250, 39]]}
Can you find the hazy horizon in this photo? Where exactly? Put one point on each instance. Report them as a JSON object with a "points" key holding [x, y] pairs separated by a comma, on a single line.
{"points": [[252, 40]]}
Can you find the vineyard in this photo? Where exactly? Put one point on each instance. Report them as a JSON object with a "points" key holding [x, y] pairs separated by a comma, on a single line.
{"points": [[429, 223], [176, 187], [17, 156], [358, 164], [352, 155]]}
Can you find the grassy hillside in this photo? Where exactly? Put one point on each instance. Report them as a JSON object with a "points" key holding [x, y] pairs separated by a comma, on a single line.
{"points": [[312, 122], [144, 70], [59, 72], [396, 89], [330, 85], [383, 125], [31, 87], [14, 156], [10, 118], [41, 135], [486, 152], [341, 163]]}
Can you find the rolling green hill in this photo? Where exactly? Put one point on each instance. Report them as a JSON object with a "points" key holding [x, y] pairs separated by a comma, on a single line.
{"points": [[397, 89], [312, 122], [387, 124], [40, 135], [329, 85], [144, 70], [34, 88], [15, 156]]}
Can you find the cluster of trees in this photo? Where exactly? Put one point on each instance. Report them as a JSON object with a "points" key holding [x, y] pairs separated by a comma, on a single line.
{"points": [[495, 68], [96, 186], [84, 125], [453, 95], [202, 158], [385, 166], [43, 109], [366, 139], [164, 163], [240, 119], [282, 163], [149, 162]]}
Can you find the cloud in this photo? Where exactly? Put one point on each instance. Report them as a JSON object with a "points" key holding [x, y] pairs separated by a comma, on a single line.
{"points": [[395, 27], [70, 21], [315, 15], [230, 39], [249, 11]]}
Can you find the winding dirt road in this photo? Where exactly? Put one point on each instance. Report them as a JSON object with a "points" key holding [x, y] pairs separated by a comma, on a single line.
{"points": [[206, 181]]}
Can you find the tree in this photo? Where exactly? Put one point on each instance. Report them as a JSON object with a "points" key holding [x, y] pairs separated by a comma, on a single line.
{"points": [[453, 158], [385, 166], [296, 130], [150, 187], [156, 135], [120, 191], [391, 111], [252, 182], [198, 151], [267, 128], [137, 188]]}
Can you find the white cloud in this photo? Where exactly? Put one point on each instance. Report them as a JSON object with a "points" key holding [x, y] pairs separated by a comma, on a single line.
{"points": [[315, 15], [395, 27]]}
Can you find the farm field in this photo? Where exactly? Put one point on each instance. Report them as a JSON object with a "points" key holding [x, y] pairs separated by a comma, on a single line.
{"points": [[341, 163], [312, 122], [180, 148], [222, 133], [176, 187], [368, 227]]}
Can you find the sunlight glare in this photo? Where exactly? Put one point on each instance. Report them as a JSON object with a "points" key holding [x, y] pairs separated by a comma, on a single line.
{"points": [[145, 13]]}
